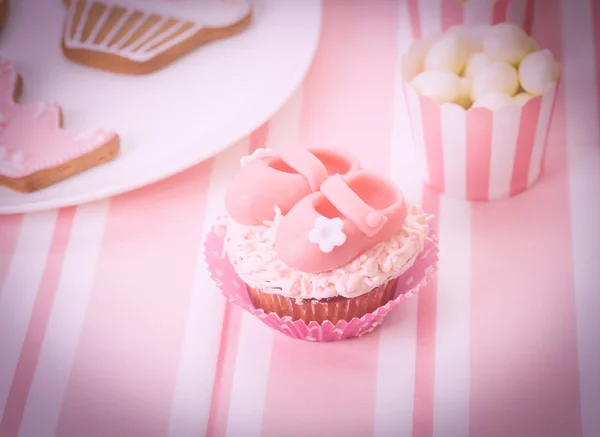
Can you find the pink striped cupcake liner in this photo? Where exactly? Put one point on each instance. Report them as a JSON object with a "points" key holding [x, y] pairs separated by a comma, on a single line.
{"points": [[433, 16], [235, 291]]}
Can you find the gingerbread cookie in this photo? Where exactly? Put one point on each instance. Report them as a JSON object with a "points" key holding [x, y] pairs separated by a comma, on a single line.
{"points": [[142, 36], [34, 151]]}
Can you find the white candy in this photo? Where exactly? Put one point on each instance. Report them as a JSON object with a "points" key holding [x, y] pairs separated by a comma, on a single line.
{"points": [[494, 100], [471, 36], [475, 64], [522, 98], [538, 72], [449, 53], [495, 76], [507, 42], [441, 86]]}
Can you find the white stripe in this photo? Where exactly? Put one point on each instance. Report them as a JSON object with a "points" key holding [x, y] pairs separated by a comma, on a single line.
{"points": [[505, 132], [166, 43], [123, 19], [394, 399], [430, 15], [99, 25], [20, 290], [416, 128], [200, 351], [452, 349], [150, 34], [541, 135], [82, 19], [70, 23], [249, 386], [581, 90], [478, 12], [132, 31], [51, 377], [454, 138], [155, 40]]}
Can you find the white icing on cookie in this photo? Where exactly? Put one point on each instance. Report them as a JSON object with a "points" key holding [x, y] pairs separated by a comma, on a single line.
{"points": [[193, 15], [85, 135]]}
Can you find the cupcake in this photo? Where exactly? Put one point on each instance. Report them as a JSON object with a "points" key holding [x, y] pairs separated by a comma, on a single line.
{"points": [[317, 239], [480, 102]]}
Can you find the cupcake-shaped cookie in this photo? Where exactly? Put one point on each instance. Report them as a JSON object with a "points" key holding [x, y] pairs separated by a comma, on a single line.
{"points": [[141, 36], [316, 239]]}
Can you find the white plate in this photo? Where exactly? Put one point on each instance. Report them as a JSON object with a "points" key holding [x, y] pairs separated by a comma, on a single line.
{"points": [[169, 120]]}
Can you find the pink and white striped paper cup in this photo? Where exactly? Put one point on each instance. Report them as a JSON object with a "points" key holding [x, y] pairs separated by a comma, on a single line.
{"points": [[433, 16], [476, 154], [235, 291]]}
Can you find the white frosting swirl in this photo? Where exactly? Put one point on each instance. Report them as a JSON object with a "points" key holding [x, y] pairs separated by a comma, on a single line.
{"points": [[250, 251]]}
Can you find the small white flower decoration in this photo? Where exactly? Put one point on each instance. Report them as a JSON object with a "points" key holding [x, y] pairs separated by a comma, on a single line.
{"points": [[327, 233], [257, 154]]}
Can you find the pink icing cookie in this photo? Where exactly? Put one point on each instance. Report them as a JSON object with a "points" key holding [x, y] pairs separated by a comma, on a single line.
{"points": [[141, 36], [34, 150]]}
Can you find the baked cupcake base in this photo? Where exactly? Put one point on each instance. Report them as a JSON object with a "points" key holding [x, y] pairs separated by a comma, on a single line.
{"points": [[333, 309], [408, 284]]}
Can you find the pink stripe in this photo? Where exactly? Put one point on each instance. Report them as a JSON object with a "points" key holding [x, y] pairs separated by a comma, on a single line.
{"points": [[452, 13], [479, 153], [10, 226], [415, 22], [219, 408], [500, 11], [126, 363], [17, 398], [524, 376], [426, 328], [258, 138], [329, 389], [431, 115], [341, 107], [529, 14], [525, 143]]}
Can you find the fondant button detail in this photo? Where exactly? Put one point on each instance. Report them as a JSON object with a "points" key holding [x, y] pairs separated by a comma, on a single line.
{"points": [[374, 219]]}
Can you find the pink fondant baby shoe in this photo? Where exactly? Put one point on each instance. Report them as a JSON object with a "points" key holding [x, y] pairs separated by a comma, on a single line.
{"points": [[268, 179], [329, 228]]}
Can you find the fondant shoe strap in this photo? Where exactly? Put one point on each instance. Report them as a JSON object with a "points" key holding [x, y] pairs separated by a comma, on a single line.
{"points": [[368, 220], [306, 164]]}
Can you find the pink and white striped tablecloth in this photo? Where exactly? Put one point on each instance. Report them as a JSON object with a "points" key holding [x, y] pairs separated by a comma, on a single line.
{"points": [[110, 326]]}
